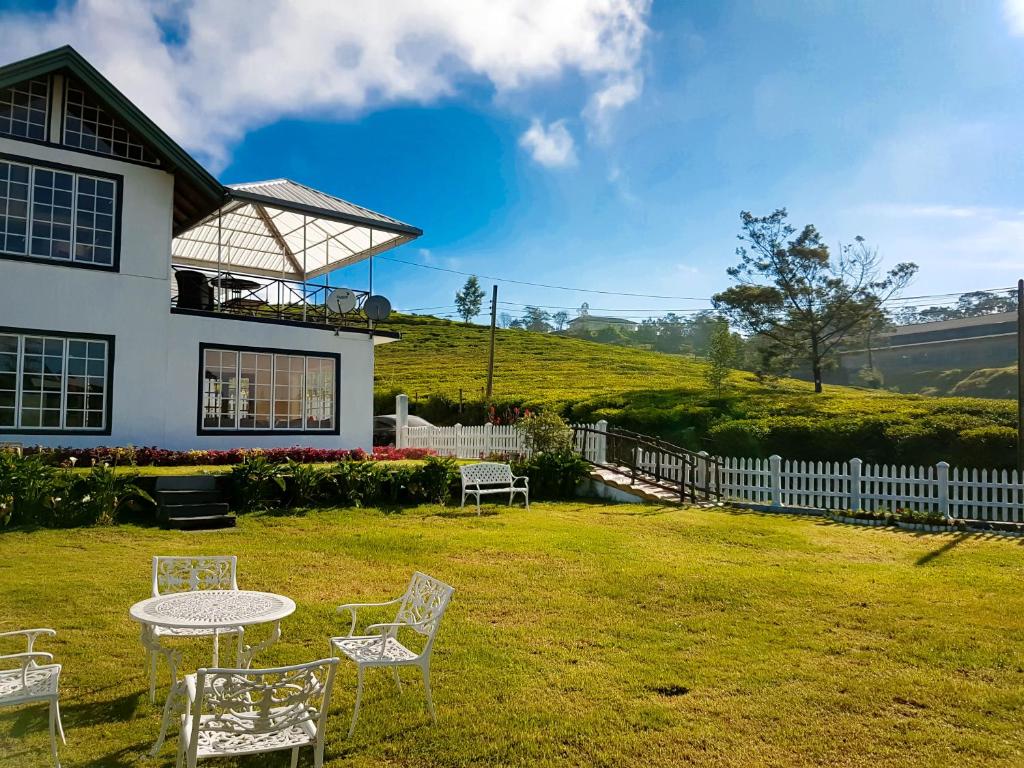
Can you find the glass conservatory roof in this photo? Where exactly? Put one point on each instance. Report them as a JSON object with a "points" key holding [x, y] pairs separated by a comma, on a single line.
{"points": [[281, 228]]}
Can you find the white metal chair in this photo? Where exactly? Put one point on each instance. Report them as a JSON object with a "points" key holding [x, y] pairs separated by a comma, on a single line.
{"points": [[32, 681], [420, 609], [252, 711], [189, 574], [489, 477]]}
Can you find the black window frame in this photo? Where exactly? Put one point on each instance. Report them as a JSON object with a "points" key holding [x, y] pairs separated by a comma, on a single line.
{"points": [[118, 179], [108, 406], [200, 391]]}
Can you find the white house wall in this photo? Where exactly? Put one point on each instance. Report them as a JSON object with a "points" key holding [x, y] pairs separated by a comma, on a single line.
{"points": [[156, 354]]}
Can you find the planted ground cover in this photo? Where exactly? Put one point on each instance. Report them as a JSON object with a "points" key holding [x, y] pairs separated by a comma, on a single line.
{"points": [[666, 395], [579, 634]]}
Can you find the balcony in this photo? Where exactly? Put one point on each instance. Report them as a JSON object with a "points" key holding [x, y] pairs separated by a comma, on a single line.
{"points": [[239, 296]]}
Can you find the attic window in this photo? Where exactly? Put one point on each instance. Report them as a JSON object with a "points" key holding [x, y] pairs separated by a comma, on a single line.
{"points": [[23, 110], [89, 126]]}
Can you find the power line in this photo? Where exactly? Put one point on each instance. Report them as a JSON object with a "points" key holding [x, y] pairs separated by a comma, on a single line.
{"points": [[543, 285]]}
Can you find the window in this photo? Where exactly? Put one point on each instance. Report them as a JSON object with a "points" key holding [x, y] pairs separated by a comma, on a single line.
{"points": [[23, 110], [58, 214], [51, 382], [89, 126], [248, 390]]}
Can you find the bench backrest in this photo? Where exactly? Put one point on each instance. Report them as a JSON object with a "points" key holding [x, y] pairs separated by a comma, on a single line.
{"points": [[486, 473]]}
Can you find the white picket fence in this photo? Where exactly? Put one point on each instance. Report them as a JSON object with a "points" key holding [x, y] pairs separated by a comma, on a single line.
{"points": [[958, 494], [462, 442]]}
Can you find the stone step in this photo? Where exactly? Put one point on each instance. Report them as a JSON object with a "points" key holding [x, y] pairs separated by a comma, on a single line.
{"points": [[194, 510], [172, 497], [187, 482], [209, 522]]}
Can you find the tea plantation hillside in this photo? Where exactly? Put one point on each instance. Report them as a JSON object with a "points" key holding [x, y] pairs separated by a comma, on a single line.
{"points": [[666, 395]]}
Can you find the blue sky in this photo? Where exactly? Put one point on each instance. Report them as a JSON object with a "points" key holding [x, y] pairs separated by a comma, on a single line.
{"points": [[612, 149]]}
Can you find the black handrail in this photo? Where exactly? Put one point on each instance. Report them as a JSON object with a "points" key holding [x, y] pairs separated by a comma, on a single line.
{"points": [[694, 476]]}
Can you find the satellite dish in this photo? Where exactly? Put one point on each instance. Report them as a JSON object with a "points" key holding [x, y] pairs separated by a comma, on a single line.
{"points": [[341, 300], [377, 308]]}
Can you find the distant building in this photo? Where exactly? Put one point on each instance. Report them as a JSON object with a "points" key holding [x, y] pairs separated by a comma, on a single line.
{"points": [[969, 343], [590, 323]]}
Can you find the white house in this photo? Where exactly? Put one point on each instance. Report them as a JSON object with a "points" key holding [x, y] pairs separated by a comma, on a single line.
{"points": [[143, 302]]}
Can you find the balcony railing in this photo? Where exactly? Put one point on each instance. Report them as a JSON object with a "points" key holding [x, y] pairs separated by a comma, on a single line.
{"points": [[238, 295]]}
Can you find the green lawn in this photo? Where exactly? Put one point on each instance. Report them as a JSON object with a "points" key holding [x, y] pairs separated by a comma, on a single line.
{"points": [[580, 634]]}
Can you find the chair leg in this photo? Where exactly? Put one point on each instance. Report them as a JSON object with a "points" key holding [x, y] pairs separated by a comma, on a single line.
{"points": [[478, 504], [426, 687], [179, 761], [318, 751], [359, 698], [60, 725], [398, 680], [53, 733], [295, 757]]}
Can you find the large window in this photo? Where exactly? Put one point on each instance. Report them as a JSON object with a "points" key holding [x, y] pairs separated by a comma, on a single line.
{"points": [[57, 214], [53, 382], [89, 126], [255, 390], [23, 109]]}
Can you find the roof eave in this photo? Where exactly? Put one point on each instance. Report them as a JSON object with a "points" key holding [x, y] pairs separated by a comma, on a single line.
{"points": [[395, 228]]}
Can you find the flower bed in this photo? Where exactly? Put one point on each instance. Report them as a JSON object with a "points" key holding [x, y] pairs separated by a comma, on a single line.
{"points": [[162, 457]]}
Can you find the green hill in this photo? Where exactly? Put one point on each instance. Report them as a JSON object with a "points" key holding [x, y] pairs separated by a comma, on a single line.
{"points": [[665, 395]]}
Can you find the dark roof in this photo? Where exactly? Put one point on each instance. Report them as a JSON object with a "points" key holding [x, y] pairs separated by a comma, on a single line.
{"points": [[285, 193], [196, 192], [956, 323]]}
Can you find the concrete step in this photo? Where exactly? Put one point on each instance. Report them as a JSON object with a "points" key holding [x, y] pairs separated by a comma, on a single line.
{"points": [[194, 510], [172, 497], [640, 489], [187, 482], [205, 523]]}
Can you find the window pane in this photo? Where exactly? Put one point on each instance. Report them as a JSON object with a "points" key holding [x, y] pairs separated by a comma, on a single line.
{"points": [[220, 371], [319, 393], [13, 208], [23, 109], [94, 233], [289, 376], [254, 388], [51, 231], [83, 356], [88, 125]]}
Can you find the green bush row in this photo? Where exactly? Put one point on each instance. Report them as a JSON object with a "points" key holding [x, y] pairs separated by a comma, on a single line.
{"points": [[34, 493], [257, 484]]}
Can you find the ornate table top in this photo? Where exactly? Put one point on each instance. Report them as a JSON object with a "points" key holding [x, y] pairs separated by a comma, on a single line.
{"points": [[212, 609]]}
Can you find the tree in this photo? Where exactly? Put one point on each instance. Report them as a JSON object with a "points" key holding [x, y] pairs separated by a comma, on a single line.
{"points": [[505, 320], [469, 300], [584, 309], [792, 291], [723, 350], [536, 319], [560, 318], [972, 304]]}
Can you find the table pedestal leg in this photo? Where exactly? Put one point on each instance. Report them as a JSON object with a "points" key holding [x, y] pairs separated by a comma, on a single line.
{"points": [[249, 651]]}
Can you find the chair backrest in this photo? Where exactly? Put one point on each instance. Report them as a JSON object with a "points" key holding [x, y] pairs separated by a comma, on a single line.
{"points": [[486, 473], [255, 702], [194, 290], [424, 603], [193, 573]]}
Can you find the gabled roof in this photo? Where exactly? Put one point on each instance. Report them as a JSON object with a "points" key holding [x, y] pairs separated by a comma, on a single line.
{"points": [[196, 192], [299, 197], [281, 228]]}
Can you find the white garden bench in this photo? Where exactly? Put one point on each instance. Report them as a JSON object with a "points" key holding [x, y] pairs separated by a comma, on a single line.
{"points": [[488, 478]]}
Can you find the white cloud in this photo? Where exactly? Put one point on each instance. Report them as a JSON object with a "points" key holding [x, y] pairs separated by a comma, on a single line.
{"points": [[1014, 12], [605, 103], [550, 145], [208, 71]]}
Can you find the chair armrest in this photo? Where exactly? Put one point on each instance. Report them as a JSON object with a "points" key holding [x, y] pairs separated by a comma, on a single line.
{"points": [[27, 658], [524, 478], [30, 635], [190, 688], [353, 607], [394, 625]]}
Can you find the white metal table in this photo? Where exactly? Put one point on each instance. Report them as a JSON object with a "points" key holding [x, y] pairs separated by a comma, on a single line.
{"points": [[212, 610]]}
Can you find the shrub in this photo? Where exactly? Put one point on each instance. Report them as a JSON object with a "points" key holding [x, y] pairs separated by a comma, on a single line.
{"points": [[253, 483], [98, 496], [355, 483], [304, 483], [161, 457], [30, 489], [553, 475], [545, 432]]}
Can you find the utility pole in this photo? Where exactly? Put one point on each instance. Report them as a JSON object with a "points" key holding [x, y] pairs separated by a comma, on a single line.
{"points": [[490, 364], [1020, 376]]}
